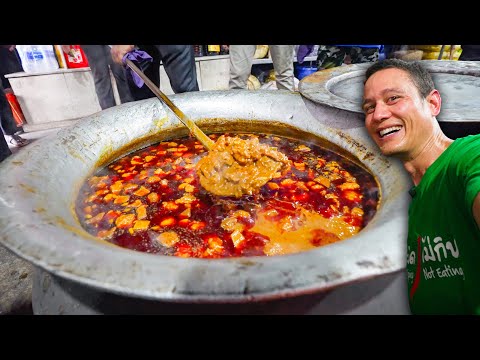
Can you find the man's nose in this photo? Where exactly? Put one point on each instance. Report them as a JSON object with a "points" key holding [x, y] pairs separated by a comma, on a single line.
{"points": [[381, 112]]}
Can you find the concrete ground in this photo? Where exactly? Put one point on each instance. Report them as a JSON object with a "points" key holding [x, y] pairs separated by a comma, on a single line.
{"points": [[31, 136], [16, 274]]}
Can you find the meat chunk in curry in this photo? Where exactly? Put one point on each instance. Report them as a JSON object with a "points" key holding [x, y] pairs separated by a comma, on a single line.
{"points": [[235, 166]]}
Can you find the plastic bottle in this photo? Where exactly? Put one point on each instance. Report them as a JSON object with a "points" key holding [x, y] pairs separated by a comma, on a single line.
{"points": [[37, 58]]}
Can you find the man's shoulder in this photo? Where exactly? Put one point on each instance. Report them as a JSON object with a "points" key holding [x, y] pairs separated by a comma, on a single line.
{"points": [[466, 151], [469, 140], [471, 137]]}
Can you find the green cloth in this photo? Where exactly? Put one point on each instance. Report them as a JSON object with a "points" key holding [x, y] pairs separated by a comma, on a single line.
{"points": [[445, 279]]}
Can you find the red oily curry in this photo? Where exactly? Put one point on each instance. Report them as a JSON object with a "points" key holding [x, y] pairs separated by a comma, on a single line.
{"points": [[152, 200]]}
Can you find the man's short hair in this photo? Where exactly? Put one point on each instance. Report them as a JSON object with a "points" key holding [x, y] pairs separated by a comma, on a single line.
{"points": [[421, 77]]}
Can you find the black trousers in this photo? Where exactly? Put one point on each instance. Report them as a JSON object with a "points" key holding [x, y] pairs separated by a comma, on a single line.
{"points": [[9, 126], [179, 64], [5, 113], [9, 63], [100, 62]]}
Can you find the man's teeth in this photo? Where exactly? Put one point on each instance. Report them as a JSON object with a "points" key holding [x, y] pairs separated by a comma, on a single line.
{"points": [[389, 130]]}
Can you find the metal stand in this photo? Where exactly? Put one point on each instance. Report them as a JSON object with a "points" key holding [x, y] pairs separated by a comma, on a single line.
{"points": [[387, 294]]}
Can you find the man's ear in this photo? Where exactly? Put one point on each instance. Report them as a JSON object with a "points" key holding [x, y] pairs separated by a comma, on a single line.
{"points": [[435, 102]]}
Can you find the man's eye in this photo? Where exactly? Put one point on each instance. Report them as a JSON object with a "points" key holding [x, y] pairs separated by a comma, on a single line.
{"points": [[393, 98], [369, 109]]}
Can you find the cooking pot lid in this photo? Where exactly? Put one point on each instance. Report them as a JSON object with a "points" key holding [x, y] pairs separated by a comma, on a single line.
{"points": [[457, 81]]}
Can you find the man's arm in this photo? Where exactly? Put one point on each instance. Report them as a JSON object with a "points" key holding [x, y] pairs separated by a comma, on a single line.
{"points": [[476, 209], [118, 51]]}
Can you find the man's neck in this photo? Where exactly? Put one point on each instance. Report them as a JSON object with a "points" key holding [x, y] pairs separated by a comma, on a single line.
{"points": [[418, 164]]}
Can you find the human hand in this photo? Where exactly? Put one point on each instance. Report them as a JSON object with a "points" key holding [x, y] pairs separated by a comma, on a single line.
{"points": [[66, 48], [9, 47], [119, 51]]}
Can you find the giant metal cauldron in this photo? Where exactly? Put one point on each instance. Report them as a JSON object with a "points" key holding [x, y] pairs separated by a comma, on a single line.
{"points": [[37, 219]]}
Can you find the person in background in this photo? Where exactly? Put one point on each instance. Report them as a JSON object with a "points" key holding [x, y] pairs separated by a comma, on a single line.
{"points": [[9, 63], [178, 62], [401, 103], [303, 51], [330, 56], [470, 53], [152, 71], [101, 63], [6, 117], [4, 149], [241, 59]]}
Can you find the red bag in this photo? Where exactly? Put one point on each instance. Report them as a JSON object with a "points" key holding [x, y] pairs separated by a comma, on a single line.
{"points": [[75, 58], [16, 109]]}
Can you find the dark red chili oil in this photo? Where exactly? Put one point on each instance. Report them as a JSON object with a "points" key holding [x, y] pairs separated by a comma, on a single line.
{"points": [[154, 193]]}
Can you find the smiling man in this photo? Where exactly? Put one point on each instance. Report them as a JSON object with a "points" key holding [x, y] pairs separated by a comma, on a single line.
{"points": [[443, 260]]}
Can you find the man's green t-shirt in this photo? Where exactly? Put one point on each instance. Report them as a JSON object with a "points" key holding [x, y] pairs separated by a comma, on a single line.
{"points": [[443, 248]]}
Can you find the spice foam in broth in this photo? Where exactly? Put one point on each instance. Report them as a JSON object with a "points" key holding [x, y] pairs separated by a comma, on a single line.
{"points": [[151, 200]]}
